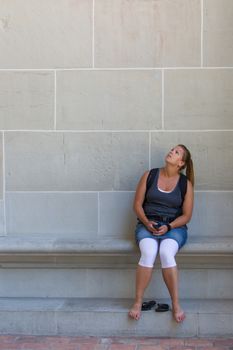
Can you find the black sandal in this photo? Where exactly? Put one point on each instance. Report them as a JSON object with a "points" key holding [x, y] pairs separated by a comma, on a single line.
{"points": [[162, 308], [147, 305]]}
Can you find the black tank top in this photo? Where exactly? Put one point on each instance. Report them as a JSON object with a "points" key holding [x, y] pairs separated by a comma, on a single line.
{"points": [[162, 203]]}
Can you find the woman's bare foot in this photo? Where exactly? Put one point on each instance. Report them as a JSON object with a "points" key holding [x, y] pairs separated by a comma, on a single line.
{"points": [[135, 311], [178, 314]]}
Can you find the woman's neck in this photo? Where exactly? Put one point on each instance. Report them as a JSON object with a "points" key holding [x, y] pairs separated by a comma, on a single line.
{"points": [[170, 171]]}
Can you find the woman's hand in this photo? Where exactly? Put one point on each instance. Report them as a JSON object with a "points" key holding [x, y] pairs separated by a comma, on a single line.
{"points": [[150, 226], [161, 230], [156, 231]]}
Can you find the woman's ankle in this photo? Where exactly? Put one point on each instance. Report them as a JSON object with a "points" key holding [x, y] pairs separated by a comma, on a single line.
{"points": [[176, 305], [138, 300]]}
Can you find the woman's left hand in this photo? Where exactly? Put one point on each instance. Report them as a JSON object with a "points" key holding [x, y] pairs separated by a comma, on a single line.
{"points": [[161, 231]]}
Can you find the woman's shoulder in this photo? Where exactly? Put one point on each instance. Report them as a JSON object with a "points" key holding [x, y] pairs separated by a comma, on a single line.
{"points": [[153, 170], [189, 184], [145, 177]]}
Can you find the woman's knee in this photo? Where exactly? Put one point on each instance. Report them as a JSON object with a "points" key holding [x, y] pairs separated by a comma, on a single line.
{"points": [[149, 249], [168, 250]]}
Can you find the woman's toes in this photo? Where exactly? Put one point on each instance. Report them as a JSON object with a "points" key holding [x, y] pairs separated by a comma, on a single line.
{"points": [[135, 312], [179, 316]]}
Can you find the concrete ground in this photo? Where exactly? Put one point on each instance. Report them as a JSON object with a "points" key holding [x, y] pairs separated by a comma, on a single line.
{"points": [[20, 342]]}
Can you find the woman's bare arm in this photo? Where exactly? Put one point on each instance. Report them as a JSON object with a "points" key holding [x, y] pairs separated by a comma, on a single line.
{"points": [[139, 199], [187, 208]]}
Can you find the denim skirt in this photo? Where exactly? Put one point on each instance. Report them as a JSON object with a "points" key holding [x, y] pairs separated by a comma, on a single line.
{"points": [[179, 234]]}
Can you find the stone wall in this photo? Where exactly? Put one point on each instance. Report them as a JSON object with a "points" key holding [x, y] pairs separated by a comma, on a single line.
{"points": [[95, 92]]}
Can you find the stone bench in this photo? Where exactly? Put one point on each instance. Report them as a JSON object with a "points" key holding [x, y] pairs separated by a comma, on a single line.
{"points": [[37, 244], [38, 248], [63, 285]]}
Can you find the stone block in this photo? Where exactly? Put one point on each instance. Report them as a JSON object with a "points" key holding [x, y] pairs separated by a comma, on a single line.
{"points": [[147, 33], [212, 154], [26, 100], [116, 214], [1, 168], [109, 317], [46, 34], [212, 214], [206, 285], [119, 100], [118, 324], [63, 282], [2, 219], [52, 213], [44, 283], [201, 99], [218, 323], [75, 161], [221, 288], [28, 322], [217, 33], [115, 281]]}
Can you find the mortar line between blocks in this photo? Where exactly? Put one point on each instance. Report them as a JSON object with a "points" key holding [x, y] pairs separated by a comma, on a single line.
{"points": [[98, 211], [202, 30], [109, 69], [149, 150], [111, 191], [146, 68], [214, 191], [162, 99], [113, 131], [104, 191], [4, 181], [198, 324], [55, 99], [93, 34]]}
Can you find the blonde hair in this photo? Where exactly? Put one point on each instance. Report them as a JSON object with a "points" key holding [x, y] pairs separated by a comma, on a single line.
{"points": [[188, 164]]}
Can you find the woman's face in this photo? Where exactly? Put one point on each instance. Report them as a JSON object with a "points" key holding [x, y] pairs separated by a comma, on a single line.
{"points": [[175, 156]]}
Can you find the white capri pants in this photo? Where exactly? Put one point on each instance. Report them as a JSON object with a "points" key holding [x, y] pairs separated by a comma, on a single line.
{"points": [[167, 251]]}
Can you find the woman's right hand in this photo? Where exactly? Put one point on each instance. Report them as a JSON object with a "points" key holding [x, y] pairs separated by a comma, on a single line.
{"points": [[150, 227]]}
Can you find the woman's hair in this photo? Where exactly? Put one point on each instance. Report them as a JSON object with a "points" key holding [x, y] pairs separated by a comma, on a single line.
{"points": [[188, 164]]}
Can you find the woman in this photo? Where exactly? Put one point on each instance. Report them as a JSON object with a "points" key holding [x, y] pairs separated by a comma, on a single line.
{"points": [[163, 209]]}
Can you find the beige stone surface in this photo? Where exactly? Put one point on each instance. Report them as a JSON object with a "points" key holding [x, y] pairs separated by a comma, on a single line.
{"points": [[26, 100], [45, 34], [218, 33], [150, 33], [106, 100], [75, 161], [198, 99], [52, 213]]}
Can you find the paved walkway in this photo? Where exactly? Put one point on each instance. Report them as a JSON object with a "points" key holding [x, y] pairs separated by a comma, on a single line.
{"points": [[114, 343]]}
